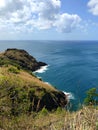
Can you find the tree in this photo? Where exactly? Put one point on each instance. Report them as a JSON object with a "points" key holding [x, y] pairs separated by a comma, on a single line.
{"points": [[92, 97]]}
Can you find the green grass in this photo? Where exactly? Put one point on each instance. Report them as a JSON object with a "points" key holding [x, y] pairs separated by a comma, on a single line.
{"points": [[13, 70]]}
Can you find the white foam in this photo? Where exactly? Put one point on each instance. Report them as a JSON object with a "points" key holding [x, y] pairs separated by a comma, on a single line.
{"points": [[39, 77], [69, 95], [42, 69], [47, 83]]}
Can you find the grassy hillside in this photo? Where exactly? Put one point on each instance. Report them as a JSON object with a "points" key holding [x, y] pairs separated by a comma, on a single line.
{"points": [[21, 92], [20, 58], [28, 103]]}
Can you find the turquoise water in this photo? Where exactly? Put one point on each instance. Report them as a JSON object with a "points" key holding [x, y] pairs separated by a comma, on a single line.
{"points": [[73, 65]]}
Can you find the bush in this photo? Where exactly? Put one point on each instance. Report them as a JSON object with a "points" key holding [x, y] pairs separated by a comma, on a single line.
{"points": [[13, 70], [92, 97]]}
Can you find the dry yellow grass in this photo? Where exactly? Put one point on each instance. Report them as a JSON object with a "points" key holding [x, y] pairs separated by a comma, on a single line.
{"points": [[84, 119], [26, 78]]}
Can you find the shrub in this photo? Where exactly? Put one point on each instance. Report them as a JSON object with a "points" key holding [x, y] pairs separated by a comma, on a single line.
{"points": [[92, 97], [13, 70]]}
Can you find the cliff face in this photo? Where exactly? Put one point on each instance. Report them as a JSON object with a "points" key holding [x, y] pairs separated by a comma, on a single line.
{"points": [[22, 91], [22, 59]]}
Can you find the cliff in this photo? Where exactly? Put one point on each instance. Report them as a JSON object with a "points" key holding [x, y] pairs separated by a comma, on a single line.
{"points": [[20, 58], [22, 91]]}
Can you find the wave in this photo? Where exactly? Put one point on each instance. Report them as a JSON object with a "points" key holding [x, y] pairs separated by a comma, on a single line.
{"points": [[47, 83], [69, 95], [42, 69]]}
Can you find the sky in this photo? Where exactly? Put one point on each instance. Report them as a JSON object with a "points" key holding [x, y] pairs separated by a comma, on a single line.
{"points": [[48, 19]]}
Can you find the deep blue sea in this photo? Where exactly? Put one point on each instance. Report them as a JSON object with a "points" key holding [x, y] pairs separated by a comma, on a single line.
{"points": [[72, 65]]}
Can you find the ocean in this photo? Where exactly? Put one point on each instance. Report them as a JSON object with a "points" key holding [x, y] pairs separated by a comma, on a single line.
{"points": [[72, 65]]}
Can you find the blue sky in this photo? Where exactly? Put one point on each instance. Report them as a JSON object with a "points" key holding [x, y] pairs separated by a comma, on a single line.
{"points": [[48, 19]]}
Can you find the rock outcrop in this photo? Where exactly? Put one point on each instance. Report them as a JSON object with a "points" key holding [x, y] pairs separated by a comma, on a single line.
{"points": [[21, 58]]}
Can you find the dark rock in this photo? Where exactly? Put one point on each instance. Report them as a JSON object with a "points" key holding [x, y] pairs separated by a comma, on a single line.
{"points": [[42, 63], [50, 101]]}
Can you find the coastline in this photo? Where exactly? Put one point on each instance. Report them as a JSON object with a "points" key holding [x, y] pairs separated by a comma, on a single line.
{"points": [[43, 69]]}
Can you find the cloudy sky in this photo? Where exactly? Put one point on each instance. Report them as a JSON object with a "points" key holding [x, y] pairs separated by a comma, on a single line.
{"points": [[48, 19]]}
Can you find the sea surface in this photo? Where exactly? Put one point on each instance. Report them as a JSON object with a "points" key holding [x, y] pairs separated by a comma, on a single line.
{"points": [[72, 65]]}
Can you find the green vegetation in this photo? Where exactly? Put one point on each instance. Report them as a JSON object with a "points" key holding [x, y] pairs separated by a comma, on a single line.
{"points": [[44, 112], [13, 70], [92, 97], [21, 93], [21, 59], [20, 96], [27, 103], [4, 61]]}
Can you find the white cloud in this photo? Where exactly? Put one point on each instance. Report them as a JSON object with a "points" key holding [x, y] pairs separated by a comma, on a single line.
{"points": [[93, 6], [66, 22], [23, 15], [2, 3]]}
